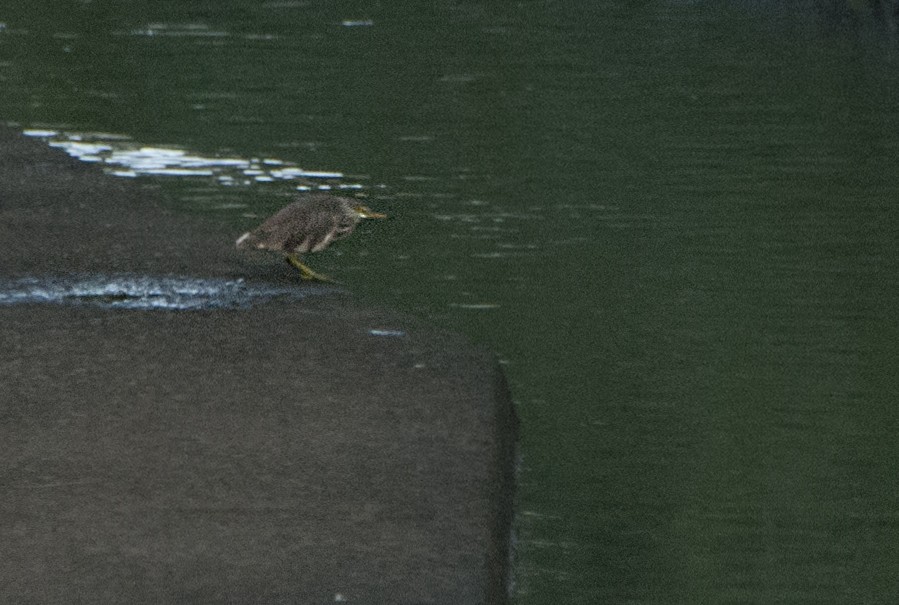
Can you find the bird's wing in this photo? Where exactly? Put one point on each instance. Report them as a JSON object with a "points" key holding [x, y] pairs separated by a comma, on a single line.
{"points": [[338, 227]]}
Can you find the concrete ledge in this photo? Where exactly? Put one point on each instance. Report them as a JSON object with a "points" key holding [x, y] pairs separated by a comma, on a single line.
{"points": [[308, 450]]}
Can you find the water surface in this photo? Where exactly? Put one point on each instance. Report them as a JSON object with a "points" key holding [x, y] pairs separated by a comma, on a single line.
{"points": [[675, 222]]}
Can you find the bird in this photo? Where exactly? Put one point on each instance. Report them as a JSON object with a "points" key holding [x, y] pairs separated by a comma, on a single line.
{"points": [[308, 224]]}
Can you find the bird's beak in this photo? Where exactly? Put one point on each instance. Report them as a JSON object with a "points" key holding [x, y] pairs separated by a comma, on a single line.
{"points": [[366, 212]]}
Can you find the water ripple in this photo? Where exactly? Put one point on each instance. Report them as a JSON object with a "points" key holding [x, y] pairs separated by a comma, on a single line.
{"points": [[143, 292]]}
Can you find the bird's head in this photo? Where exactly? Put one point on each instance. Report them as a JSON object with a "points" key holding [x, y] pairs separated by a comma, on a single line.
{"points": [[366, 212]]}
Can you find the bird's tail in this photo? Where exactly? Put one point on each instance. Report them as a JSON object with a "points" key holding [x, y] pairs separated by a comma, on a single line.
{"points": [[247, 240]]}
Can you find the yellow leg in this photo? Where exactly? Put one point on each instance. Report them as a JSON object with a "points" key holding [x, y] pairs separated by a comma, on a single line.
{"points": [[306, 272]]}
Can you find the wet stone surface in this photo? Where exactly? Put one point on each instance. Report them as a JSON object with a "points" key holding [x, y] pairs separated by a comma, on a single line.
{"points": [[185, 424]]}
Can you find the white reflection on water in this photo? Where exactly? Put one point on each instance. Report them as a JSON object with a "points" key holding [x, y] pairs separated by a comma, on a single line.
{"points": [[386, 332], [202, 30], [143, 292], [123, 157], [193, 30], [475, 306]]}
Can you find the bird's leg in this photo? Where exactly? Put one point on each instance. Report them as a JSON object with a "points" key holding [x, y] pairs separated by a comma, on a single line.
{"points": [[306, 272]]}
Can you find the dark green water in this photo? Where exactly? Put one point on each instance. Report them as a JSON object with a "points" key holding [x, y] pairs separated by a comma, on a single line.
{"points": [[675, 222]]}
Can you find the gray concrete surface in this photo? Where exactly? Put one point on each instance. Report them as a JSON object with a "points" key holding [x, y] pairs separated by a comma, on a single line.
{"points": [[303, 450]]}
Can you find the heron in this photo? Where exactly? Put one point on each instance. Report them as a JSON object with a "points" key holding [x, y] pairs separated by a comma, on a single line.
{"points": [[309, 224]]}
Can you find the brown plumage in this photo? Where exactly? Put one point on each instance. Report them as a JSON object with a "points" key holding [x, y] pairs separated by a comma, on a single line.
{"points": [[309, 224]]}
